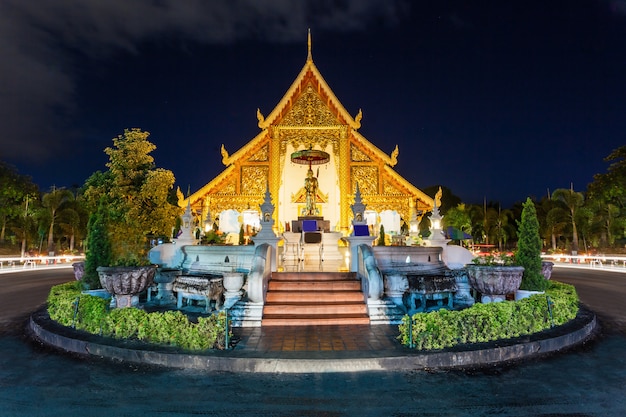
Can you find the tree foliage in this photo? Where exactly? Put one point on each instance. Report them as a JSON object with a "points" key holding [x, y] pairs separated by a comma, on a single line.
{"points": [[529, 249], [14, 190], [135, 194]]}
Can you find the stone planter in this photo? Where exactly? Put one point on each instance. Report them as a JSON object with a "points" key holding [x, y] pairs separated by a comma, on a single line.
{"points": [[79, 270], [395, 287], [164, 278], [233, 282], [546, 269], [124, 282], [494, 282]]}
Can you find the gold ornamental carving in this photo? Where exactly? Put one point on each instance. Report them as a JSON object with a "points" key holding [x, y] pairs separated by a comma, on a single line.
{"points": [[309, 110], [390, 189], [357, 155], [228, 188], [367, 177], [261, 155], [386, 202], [238, 202], [254, 179]]}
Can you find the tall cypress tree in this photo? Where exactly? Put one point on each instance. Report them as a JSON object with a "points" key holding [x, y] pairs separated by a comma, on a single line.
{"points": [[529, 249], [98, 246]]}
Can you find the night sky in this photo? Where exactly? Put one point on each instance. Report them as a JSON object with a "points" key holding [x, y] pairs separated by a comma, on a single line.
{"points": [[499, 101]]}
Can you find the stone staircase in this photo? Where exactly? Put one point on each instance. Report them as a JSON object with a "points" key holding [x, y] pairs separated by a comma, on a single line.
{"points": [[313, 299]]}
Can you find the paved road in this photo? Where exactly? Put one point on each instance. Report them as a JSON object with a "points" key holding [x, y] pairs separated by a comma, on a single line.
{"points": [[588, 381], [24, 291], [601, 290]]}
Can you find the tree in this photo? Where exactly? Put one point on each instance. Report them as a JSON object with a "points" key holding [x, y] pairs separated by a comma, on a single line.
{"points": [[15, 190], [529, 249], [135, 194], [381, 236], [53, 201], [573, 200], [98, 246], [607, 194]]}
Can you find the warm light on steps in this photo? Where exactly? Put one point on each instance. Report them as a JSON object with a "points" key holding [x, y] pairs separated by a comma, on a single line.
{"points": [[314, 298]]}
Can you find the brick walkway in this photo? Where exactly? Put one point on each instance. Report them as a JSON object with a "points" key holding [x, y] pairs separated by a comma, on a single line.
{"points": [[317, 338]]}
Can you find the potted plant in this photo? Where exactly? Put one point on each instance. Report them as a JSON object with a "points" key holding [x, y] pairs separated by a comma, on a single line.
{"points": [[494, 276], [132, 197], [529, 252]]}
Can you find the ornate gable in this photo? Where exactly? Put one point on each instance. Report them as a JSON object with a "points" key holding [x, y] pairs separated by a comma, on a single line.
{"points": [[309, 115]]}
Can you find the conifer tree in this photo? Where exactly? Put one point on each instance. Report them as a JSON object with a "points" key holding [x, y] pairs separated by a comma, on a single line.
{"points": [[529, 249], [381, 237]]}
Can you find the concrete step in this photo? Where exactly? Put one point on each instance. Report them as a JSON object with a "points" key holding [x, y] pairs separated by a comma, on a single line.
{"points": [[314, 296], [306, 320], [314, 286], [325, 308], [313, 276]]}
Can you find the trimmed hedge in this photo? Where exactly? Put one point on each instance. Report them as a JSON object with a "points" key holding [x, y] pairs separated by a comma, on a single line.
{"points": [[170, 328], [494, 321]]}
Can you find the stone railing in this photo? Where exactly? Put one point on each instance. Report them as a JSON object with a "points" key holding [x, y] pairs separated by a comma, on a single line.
{"points": [[410, 275], [369, 274], [201, 259], [260, 273]]}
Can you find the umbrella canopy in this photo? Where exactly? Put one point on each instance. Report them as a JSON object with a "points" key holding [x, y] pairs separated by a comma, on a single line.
{"points": [[310, 157]]}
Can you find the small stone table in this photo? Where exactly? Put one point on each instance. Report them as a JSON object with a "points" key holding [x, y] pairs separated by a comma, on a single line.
{"points": [[204, 288], [424, 288]]}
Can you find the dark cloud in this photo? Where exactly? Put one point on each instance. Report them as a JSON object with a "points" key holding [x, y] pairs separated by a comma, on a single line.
{"points": [[42, 43]]}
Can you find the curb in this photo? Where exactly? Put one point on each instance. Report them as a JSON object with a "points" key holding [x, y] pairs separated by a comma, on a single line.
{"points": [[41, 329]]}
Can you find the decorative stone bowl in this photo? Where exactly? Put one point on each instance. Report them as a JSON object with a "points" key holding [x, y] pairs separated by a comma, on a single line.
{"points": [[546, 269], [164, 279], [494, 282], [124, 282], [79, 270], [233, 282]]}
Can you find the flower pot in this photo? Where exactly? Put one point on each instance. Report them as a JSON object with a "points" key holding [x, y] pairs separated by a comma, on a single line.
{"points": [[521, 294], [546, 269], [494, 282], [79, 270], [164, 279], [124, 282], [233, 282]]}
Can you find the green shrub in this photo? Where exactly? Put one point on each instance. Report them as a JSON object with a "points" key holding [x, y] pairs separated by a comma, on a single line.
{"points": [[98, 247], [170, 328], [494, 321], [529, 246], [63, 300]]}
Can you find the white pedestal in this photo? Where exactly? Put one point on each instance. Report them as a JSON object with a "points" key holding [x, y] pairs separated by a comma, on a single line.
{"points": [[355, 241]]}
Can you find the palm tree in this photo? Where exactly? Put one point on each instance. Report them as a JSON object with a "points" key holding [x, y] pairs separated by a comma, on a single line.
{"points": [[53, 201], [573, 200]]}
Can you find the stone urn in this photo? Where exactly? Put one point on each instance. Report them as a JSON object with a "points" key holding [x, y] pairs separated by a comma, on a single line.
{"points": [[79, 270], [494, 282], [164, 278], [546, 269], [395, 286], [233, 282], [124, 282]]}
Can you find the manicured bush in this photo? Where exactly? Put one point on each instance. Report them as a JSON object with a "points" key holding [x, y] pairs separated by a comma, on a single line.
{"points": [[170, 328], [529, 246], [494, 321], [63, 301]]}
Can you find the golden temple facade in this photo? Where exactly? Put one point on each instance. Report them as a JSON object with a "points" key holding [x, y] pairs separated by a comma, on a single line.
{"points": [[309, 116]]}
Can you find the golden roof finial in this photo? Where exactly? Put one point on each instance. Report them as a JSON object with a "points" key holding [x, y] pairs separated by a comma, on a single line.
{"points": [[309, 55]]}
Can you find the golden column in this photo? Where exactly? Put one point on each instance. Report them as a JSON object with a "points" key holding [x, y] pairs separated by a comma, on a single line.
{"points": [[274, 175], [344, 181]]}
